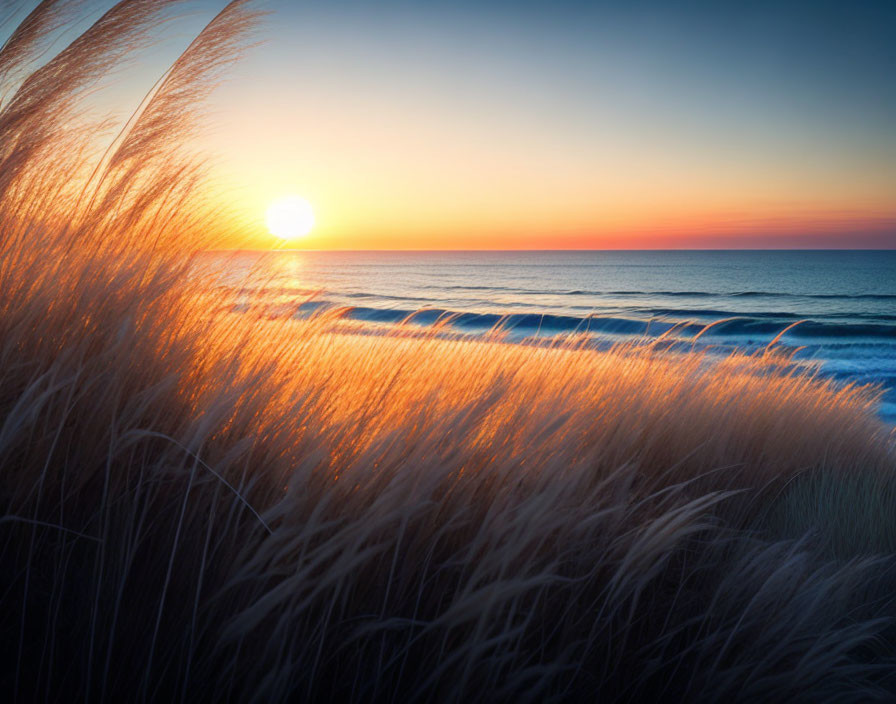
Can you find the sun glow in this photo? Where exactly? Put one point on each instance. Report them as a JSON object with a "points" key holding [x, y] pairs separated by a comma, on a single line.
{"points": [[290, 218]]}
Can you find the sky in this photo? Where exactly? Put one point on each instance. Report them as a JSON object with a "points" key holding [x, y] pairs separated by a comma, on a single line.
{"points": [[571, 125], [551, 125]]}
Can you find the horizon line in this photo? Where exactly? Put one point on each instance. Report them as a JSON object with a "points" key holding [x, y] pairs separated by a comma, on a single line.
{"points": [[566, 249]]}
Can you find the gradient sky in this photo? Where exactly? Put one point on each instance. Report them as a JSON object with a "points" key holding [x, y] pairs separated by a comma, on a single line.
{"points": [[567, 124]]}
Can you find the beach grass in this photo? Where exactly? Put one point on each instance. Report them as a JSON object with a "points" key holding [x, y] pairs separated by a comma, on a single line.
{"points": [[200, 504]]}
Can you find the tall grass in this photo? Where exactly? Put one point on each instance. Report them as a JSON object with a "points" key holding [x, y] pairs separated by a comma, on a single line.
{"points": [[203, 505]]}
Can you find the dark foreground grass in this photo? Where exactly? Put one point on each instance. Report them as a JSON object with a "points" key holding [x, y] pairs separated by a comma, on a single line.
{"points": [[198, 505]]}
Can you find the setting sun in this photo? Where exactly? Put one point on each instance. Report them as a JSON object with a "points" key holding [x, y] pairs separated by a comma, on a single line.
{"points": [[290, 218]]}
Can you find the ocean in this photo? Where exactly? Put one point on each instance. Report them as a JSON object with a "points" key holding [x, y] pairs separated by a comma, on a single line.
{"points": [[845, 300]]}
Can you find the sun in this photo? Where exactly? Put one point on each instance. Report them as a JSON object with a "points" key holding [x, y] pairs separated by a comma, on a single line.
{"points": [[290, 218]]}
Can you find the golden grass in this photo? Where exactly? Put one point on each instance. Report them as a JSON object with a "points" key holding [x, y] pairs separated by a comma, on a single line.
{"points": [[198, 504], [564, 403]]}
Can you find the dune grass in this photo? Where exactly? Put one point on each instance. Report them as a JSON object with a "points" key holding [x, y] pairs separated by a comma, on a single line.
{"points": [[203, 505]]}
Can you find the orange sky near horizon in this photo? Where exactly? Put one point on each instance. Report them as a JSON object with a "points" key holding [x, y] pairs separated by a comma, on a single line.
{"points": [[491, 201]]}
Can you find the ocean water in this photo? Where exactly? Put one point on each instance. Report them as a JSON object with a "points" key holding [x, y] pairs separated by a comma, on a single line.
{"points": [[845, 300]]}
